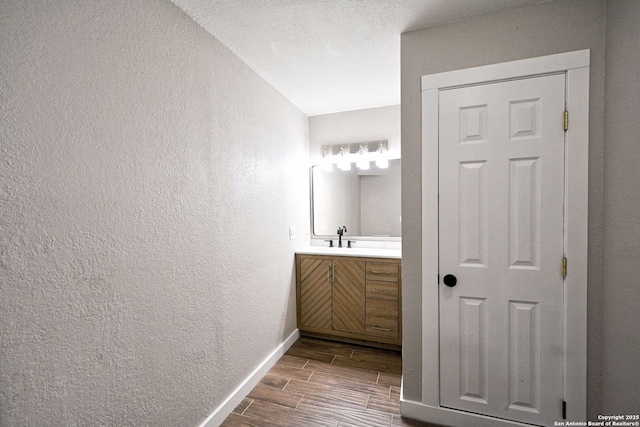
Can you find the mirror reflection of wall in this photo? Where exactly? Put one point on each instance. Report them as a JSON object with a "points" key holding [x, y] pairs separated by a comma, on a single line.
{"points": [[380, 207], [366, 202], [336, 201]]}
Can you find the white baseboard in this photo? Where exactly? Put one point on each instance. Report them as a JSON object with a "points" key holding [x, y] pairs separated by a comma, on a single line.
{"points": [[450, 417], [223, 411]]}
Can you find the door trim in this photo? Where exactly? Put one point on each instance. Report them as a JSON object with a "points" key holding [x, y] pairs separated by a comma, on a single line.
{"points": [[576, 67]]}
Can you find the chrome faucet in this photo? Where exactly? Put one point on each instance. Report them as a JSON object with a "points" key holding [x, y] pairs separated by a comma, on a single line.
{"points": [[341, 231]]}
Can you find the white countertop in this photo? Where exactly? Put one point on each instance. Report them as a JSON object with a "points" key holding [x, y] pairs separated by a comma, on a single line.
{"points": [[363, 252]]}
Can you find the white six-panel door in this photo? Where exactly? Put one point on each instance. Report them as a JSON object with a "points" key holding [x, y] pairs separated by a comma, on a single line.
{"points": [[501, 192]]}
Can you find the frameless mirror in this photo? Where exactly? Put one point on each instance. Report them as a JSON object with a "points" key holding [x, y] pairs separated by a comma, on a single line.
{"points": [[367, 202]]}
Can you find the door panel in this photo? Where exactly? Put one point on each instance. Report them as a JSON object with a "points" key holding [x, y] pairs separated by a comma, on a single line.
{"points": [[501, 180], [474, 366], [473, 242], [524, 233], [524, 356]]}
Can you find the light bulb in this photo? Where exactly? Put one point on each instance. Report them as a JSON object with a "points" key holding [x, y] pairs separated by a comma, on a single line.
{"points": [[363, 164], [345, 166], [382, 163]]}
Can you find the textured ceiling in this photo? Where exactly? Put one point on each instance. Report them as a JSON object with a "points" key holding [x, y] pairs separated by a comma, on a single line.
{"points": [[327, 56]]}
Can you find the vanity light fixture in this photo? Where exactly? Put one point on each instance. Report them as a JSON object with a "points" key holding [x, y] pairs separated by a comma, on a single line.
{"points": [[382, 161], [344, 162], [363, 160], [325, 161], [362, 154]]}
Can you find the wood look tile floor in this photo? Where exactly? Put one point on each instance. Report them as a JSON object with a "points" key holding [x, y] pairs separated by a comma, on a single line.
{"points": [[326, 383]]}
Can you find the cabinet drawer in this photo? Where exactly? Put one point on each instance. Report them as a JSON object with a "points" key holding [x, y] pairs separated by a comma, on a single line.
{"points": [[381, 327], [381, 308], [383, 271], [382, 290]]}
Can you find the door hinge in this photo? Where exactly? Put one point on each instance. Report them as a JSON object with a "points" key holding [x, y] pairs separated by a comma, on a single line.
{"points": [[566, 120], [564, 409], [564, 267]]}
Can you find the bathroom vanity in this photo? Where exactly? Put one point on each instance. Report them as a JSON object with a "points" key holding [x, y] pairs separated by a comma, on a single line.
{"points": [[352, 295]]}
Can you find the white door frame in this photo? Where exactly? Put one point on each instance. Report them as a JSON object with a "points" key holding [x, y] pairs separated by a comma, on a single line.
{"points": [[576, 66]]}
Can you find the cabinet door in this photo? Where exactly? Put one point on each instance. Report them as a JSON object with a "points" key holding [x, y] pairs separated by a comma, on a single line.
{"points": [[315, 293], [348, 312]]}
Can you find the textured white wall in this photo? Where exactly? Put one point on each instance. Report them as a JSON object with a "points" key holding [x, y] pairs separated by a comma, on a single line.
{"points": [[544, 29], [148, 178], [621, 260]]}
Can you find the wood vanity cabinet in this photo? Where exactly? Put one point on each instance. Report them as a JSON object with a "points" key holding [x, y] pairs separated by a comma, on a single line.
{"points": [[356, 299]]}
